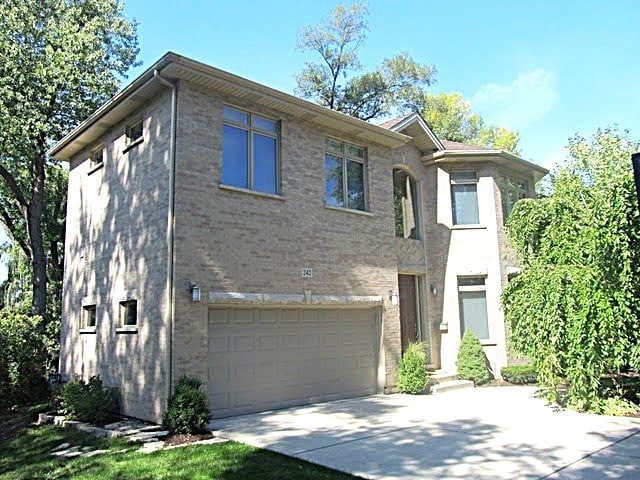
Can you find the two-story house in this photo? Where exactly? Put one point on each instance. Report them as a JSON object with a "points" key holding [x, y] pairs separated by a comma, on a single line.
{"points": [[282, 252]]}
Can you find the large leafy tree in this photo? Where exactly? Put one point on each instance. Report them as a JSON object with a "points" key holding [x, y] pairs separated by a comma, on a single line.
{"points": [[574, 309], [397, 86], [450, 117], [333, 82], [59, 60]]}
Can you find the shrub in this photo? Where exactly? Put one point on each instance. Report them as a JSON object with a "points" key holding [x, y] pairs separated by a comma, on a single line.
{"points": [[413, 376], [472, 362], [89, 402], [616, 406], [187, 410], [23, 360], [519, 374]]}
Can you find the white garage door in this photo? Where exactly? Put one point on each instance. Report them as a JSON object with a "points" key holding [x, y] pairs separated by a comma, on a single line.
{"points": [[265, 358]]}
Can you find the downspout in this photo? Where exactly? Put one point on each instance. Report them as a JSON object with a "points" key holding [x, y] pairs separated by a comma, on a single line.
{"points": [[170, 226]]}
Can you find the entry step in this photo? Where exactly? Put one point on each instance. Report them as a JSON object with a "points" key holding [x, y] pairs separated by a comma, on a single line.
{"points": [[451, 385], [440, 376]]}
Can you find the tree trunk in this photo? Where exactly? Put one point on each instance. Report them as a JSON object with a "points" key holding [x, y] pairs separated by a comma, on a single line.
{"points": [[34, 225]]}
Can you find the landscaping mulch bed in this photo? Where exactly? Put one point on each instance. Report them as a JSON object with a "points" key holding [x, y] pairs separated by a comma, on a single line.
{"points": [[180, 439]]}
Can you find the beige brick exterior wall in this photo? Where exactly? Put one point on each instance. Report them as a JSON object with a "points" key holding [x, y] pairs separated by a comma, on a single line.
{"points": [[116, 248], [238, 242]]}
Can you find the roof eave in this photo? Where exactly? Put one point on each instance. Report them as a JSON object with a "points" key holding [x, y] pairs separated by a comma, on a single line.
{"points": [[314, 113], [499, 156], [145, 78]]}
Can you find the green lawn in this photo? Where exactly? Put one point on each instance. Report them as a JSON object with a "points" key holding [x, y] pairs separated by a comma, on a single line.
{"points": [[27, 456]]}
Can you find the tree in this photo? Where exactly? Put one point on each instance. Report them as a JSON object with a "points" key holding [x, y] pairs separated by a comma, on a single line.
{"points": [[397, 86], [59, 60], [574, 309], [450, 117], [396, 83]]}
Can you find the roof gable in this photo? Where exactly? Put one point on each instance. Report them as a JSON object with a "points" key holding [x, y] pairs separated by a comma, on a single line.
{"points": [[415, 126]]}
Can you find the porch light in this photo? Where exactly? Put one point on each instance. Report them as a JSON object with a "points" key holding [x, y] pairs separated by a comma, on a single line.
{"points": [[393, 295], [434, 289], [195, 292]]}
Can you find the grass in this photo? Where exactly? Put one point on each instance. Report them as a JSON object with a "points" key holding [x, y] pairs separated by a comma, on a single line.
{"points": [[28, 455]]}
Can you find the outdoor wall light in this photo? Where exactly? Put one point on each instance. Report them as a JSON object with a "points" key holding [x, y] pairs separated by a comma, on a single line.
{"points": [[434, 289], [195, 292], [395, 298]]}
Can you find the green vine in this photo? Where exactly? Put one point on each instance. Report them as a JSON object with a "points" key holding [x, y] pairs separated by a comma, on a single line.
{"points": [[574, 308]]}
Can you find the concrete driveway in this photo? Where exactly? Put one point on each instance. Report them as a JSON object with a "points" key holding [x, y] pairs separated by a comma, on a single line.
{"points": [[501, 432]]}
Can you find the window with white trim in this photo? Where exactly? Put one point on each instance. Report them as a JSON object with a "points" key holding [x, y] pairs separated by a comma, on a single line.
{"points": [[464, 198], [472, 295], [345, 175], [250, 145]]}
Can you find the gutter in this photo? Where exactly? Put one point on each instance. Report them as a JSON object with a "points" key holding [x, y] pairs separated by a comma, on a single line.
{"points": [[482, 155], [142, 81], [170, 226]]}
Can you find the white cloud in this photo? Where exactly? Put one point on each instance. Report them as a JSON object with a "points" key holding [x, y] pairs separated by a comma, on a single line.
{"points": [[519, 104]]}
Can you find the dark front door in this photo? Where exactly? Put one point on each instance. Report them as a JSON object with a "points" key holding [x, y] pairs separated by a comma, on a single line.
{"points": [[408, 309]]}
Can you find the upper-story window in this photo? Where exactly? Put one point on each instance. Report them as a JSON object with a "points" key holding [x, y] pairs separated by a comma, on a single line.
{"points": [[405, 203], [344, 167], [464, 198], [96, 157], [249, 151], [134, 132], [511, 190]]}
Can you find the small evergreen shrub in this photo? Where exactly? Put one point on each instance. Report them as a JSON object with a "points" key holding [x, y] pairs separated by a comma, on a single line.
{"points": [[471, 361], [89, 402], [519, 374], [413, 376], [187, 410]]}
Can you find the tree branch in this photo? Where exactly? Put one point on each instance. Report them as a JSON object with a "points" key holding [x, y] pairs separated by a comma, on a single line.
{"points": [[13, 186], [11, 227]]}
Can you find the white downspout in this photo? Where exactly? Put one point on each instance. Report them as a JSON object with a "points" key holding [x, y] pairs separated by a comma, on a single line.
{"points": [[170, 226]]}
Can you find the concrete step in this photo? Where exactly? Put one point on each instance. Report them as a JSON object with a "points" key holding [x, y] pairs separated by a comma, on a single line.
{"points": [[451, 385], [440, 377]]}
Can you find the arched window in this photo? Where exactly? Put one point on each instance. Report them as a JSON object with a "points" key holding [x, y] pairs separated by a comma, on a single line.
{"points": [[405, 202]]}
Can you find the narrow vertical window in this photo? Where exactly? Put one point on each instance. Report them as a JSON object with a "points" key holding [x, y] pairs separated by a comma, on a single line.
{"points": [[511, 190], [249, 151], [464, 198], [473, 306], [405, 205], [345, 175]]}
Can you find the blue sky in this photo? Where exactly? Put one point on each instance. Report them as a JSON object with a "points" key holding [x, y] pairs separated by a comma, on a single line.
{"points": [[549, 69]]}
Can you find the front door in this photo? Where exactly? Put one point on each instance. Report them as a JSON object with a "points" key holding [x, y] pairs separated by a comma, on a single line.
{"points": [[408, 309]]}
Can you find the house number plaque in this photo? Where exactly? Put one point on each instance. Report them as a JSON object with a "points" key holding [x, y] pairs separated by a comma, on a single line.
{"points": [[307, 273]]}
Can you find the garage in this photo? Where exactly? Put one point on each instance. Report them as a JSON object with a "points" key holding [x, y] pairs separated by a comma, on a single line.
{"points": [[266, 358]]}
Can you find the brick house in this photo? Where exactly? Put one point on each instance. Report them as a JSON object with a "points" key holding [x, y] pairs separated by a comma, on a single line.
{"points": [[282, 252]]}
